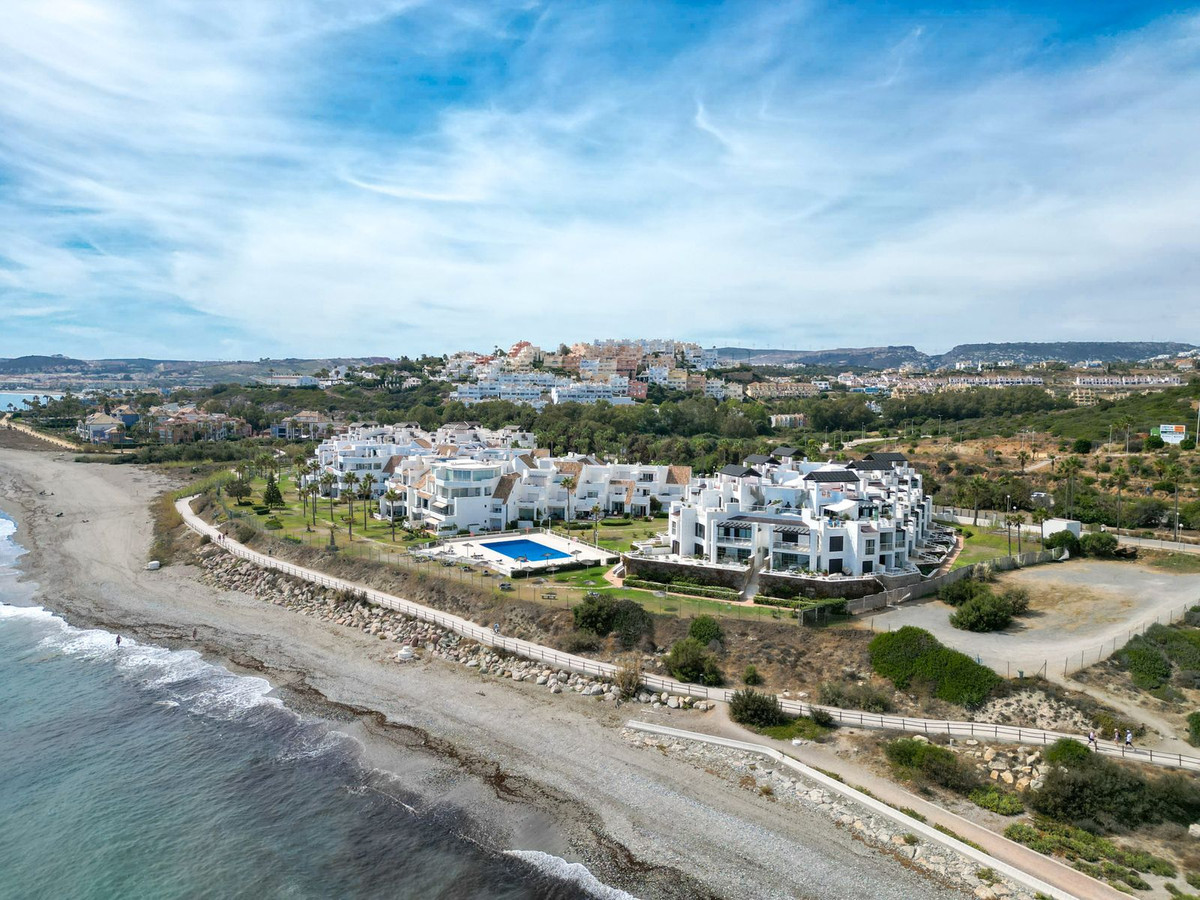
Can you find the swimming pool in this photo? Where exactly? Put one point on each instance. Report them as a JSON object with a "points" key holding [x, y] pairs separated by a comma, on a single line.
{"points": [[531, 550]]}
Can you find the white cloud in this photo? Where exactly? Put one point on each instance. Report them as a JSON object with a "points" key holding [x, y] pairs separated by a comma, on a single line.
{"points": [[757, 181]]}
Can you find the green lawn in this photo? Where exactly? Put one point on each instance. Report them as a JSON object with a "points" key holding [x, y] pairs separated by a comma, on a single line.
{"points": [[1181, 563], [984, 545]]}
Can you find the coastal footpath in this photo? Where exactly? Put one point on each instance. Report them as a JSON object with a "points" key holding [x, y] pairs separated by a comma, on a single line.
{"points": [[535, 770]]}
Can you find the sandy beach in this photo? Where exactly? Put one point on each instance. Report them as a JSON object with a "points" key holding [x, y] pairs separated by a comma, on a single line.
{"points": [[535, 771]]}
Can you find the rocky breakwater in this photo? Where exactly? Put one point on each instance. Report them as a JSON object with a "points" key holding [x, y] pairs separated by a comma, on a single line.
{"points": [[425, 640], [777, 784]]}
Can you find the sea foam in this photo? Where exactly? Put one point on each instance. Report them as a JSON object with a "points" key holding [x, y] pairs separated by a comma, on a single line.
{"points": [[197, 686], [575, 873]]}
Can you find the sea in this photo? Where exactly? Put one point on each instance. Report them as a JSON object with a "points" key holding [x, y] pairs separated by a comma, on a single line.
{"points": [[17, 400], [143, 772]]}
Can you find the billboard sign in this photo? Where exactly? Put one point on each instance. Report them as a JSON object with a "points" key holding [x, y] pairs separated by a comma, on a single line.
{"points": [[1172, 434]]}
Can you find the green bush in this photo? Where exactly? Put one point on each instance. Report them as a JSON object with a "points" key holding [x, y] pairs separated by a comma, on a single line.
{"points": [[1017, 599], [1193, 721], [1067, 752], [961, 591], [750, 676], [1090, 789], [998, 801], [1148, 666], [706, 629], [1063, 539], [912, 655], [755, 709], [605, 615], [929, 762], [1100, 544], [690, 661], [982, 613]]}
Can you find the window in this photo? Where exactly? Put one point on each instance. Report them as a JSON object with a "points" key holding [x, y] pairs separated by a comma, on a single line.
{"points": [[699, 530], [835, 545], [835, 566], [870, 546], [868, 567]]}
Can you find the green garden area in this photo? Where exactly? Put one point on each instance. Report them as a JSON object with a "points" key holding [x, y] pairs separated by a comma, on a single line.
{"points": [[293, 523]]}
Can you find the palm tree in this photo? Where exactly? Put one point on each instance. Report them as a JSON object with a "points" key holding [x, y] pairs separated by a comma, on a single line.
{"points": [[1070, 467], [367, 488], [1040, 515], [392, 497], [1126, 422], [351, 482], [1022, 458], [327, 483], [568, 484], [978, 489], [1120, 477]]}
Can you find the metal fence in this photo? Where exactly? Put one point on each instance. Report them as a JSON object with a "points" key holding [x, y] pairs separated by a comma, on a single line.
{"points": [[582, 665]]}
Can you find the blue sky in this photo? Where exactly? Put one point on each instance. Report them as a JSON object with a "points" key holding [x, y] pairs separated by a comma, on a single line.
{"points": [[236, 179]]}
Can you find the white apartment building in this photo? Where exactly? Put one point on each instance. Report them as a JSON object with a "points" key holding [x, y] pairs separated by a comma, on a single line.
{"points": [[870, 517], [490, 490]]}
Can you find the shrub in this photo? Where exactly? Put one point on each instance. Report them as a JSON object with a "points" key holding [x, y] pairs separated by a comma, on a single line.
{"points": [[1089, 788], [1100, 544], [242, 532], [1067, 752], [582, 641], [1064, 539], [822, 718], [1017, 599], [604, 615], [628, 679], [997, 801], [1193, 721], [1148, 666], [706, 629], [689, 660], [756, 709], [929, 762], [1081, 446], [912, 655], [855, 696], [961, 591], [986, 612], [750, 676]]}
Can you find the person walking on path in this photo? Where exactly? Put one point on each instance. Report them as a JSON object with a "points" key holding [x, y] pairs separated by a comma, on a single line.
{"points": [[1117, 736], [1092, 741], [1128, 739]]}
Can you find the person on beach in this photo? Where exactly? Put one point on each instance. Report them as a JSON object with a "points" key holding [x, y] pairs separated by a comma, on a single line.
{"points": [[118, 641], [193, 634]]}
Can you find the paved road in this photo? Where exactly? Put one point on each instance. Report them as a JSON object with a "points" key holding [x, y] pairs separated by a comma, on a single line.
{"points": [[607, 671]]}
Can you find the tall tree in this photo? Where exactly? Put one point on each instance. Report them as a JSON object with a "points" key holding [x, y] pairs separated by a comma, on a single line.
{"points": [[1040, 515], [392, 497], [350, 479], [1071, 466], [367, 488]]}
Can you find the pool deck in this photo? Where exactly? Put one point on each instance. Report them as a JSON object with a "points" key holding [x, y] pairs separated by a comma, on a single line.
{"points": [[473, 550]]}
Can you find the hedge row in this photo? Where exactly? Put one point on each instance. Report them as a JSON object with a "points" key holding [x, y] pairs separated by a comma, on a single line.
{"points": [[714, 593], [833, 604]]}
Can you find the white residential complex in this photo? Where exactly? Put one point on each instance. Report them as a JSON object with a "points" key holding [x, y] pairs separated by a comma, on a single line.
{"points": [[785, 515], [465, 478]]}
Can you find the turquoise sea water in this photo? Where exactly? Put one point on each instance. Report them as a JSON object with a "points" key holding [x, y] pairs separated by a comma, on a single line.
{"points": [[144, 772]]}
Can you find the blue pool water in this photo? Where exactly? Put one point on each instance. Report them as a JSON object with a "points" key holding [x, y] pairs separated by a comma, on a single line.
{"points": [[531, 550]]}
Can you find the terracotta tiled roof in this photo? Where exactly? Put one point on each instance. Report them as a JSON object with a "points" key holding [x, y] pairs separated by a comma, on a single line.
{"points": [[679, 474], [389, 467], [421, 442], [568, 467], [505, 486]]}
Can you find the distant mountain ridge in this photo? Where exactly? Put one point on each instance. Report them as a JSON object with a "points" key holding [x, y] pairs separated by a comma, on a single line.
{"points": [[1021, 353]]}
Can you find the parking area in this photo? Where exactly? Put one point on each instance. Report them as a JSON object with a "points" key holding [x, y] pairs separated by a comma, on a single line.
{"points": [[1080, 611]]}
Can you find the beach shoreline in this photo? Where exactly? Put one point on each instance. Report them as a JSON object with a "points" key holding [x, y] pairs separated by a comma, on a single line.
{"points": [[537, 772]]}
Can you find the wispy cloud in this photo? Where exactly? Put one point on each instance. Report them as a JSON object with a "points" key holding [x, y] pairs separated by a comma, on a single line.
{"points": [[394, 177]]}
